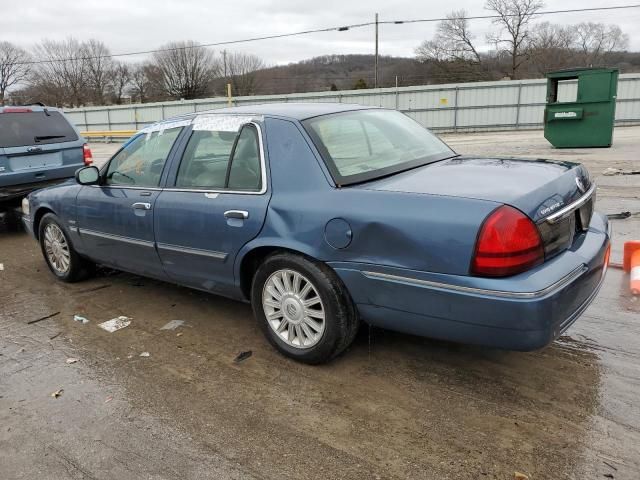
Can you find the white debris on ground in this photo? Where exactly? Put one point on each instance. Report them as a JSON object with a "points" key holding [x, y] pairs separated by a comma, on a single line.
{"points": [[115, 324], [172, 325], [81, 319]]}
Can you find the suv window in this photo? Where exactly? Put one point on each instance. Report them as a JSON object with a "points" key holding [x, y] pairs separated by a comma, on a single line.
{"points": [[34, 128], [140, 162], [207, 163]]}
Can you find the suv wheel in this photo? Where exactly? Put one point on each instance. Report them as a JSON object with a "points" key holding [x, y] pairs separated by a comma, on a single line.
{"points": [[303, 308], [63, 261]]}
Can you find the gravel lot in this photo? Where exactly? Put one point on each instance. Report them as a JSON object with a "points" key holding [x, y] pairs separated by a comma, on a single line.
{"points": [[394, 406]]}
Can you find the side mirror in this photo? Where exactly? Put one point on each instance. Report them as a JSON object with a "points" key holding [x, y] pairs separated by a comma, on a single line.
{"points": [[88, 176]]}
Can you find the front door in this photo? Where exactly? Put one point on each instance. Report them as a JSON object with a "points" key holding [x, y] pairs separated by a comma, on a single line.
{"points": [[216, 203], [115, 219]]}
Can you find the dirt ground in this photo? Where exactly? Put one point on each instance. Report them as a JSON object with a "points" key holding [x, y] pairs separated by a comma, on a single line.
{"points": [[394, 406]]}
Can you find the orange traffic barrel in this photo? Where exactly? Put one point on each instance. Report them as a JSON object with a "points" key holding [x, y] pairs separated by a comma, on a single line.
{"points": [[631, 265]]}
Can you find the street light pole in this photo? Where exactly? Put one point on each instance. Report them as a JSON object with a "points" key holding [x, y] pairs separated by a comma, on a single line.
{"points": [[375, 78]]}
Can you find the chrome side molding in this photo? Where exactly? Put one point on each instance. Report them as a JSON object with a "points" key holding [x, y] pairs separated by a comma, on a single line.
{"points": [[480, 291], [192, 251]]}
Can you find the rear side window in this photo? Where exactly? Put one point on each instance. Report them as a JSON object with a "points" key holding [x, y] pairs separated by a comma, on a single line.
{"points": [[244, 172], [140, 162], [216, 160], [34, 128], [206, 159]]}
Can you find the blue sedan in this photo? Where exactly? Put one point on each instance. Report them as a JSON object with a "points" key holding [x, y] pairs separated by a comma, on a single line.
{"points": [[326, 215]]}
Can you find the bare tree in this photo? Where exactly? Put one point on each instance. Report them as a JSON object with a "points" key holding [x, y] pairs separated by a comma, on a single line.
{"points": [[62, 73], [593, 41], [120, 76], [139, 83], [146, 82], [100, 67], [13, 68], [550, 47], [513, 19], [452, 41], [186, 69], [243, 69]]}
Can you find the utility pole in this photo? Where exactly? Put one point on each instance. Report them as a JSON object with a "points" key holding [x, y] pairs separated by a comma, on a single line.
{"points": [[375, 78], [224, 62]]}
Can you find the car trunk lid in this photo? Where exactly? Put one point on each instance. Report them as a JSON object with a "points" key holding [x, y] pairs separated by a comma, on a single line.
{"points": [[556, 195]]}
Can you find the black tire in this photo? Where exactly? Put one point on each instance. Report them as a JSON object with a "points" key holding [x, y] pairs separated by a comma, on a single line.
{"points": [[79, 268], [10, 218], [341, 320]]}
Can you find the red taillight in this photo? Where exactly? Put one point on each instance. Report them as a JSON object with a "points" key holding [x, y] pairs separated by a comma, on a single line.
{"points": [[508, 243], [86, 154], [15, 110]]}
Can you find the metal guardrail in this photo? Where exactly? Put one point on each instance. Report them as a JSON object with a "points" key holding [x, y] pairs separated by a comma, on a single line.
{"points": [[107, 135], [464, 107]]}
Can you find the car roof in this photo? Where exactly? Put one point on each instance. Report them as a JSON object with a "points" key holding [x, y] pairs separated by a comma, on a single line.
{"points": [[297, 111]]}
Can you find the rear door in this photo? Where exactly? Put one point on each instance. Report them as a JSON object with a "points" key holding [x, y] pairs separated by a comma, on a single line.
{"points": [[214, 203], [37, 146], [115, 219]]}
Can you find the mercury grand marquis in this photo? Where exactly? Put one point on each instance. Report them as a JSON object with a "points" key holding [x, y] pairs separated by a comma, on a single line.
{"points": [[326, 215]]}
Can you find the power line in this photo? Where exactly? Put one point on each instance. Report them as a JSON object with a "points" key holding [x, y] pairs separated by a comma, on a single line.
{"points": [[320, 30]]}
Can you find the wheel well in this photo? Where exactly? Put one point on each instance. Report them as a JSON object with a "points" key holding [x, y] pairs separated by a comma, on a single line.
{"points": [[41, 212], [252, 261]]}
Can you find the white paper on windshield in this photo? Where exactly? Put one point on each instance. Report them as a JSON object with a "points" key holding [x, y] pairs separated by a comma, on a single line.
{"points": [[221, 123], [161, 127]]}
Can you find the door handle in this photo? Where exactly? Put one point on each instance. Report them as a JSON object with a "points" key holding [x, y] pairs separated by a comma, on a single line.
{"points": [[240, 214], [141, 206]]}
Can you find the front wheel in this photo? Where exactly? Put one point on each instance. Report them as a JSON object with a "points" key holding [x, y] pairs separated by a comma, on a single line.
{"points": [[63, 261], [303, 308]]}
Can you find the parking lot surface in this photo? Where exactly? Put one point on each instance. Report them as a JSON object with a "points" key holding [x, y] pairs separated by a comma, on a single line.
{"points": [[394, 406]]}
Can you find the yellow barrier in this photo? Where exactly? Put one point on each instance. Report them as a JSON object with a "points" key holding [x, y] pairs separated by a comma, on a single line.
{"points": [[108, 134]]}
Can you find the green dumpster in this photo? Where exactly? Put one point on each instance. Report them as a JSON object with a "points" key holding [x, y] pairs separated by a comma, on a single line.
{"points": [[581, 114]]}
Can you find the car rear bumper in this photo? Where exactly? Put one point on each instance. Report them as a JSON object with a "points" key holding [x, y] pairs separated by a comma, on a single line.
{"points": [[523, 312]]}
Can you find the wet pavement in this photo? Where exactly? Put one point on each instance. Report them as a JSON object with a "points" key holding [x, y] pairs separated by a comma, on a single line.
{"points": [[394, 406]]}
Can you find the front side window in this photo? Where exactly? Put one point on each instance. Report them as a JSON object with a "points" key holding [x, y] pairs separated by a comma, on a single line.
{"points": [[216, 160], [368, 144], [140, 162]]}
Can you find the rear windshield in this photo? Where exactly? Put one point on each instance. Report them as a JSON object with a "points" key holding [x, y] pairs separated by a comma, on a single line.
{"points": [[34, 128], [368, 144]]}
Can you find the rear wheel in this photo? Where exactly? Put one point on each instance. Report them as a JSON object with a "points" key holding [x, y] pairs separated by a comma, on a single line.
{"points": [[303, 308], [63, 261]]}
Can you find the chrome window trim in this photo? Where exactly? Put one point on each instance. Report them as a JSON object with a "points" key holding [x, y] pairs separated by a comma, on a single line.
{"points": [[193, 251], [480, 291], [133, 241], [563, 212], [263, 174], [151, 189]]}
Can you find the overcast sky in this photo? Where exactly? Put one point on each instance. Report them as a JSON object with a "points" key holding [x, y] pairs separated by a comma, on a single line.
{"points": [[130, 25]]}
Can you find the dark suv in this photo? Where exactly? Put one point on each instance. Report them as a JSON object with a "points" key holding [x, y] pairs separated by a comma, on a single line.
{"points": [[38, 147]]}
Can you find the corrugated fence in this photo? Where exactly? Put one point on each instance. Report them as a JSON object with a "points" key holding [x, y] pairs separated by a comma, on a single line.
{"points": [[502, 105]]}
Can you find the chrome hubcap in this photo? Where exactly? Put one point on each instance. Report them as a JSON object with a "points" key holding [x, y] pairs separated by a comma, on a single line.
{"points": [[56, 248], [293, 308]]}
